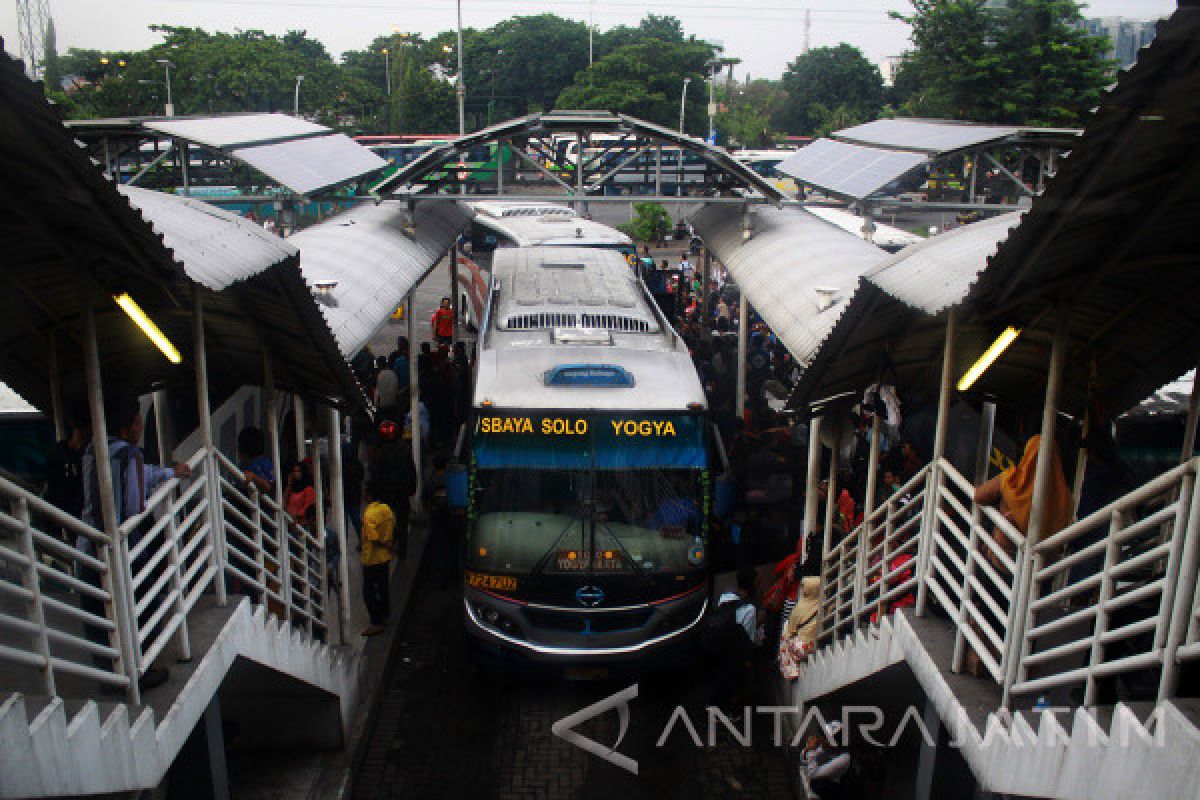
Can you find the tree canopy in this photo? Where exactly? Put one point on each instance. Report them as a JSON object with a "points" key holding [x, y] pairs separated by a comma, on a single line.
{"points": [[1027, 63], [828, 87]]}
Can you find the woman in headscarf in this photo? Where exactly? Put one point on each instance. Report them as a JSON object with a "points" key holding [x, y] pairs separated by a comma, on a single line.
{"points": [[1012, 492], [799, 637]]}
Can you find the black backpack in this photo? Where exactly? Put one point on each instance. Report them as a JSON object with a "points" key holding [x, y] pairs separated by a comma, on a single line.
{"points": [[722, 635]]}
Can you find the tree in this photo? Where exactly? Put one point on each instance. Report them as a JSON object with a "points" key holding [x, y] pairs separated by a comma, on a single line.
{"points": [[520, 65], [652, 26], [1027, 63], [643, 80], [826, 79], [750, 108], [648, 220], [51, 71]]}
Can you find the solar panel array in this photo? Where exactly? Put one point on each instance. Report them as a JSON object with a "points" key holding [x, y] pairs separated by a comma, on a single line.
{"points": [[848, 170], [925, 136]]}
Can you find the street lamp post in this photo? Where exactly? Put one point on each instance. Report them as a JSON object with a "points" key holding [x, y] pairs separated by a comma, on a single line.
{"points": [[683, 102], [296, 98], [461, 86], [387, 71], [167, 64]]}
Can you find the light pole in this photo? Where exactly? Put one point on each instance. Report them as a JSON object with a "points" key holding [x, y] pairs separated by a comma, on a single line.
{"points": [[683, 102], [387, 71], [591, 27], [167, 64], [296, 99], [461, 87], [712, 99]]}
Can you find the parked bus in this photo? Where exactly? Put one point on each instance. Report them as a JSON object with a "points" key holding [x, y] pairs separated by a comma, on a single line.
{"points": [[588, 467]]}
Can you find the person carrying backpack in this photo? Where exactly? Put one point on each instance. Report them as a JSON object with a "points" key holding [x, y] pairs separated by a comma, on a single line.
{"points": [[729, 635]]}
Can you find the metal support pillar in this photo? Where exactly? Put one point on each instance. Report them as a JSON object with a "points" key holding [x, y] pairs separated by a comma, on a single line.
{"points": [[319, 507], [983, 447], [500, 148], [452, 254], [338, 509], [185, 156], [1189, 431], [216, 517], [810, 488], [283, 552], [743, 336], [414, 401], [578, 204], [705, 277], [658, 171], [161, 422], [830, 499], [299, 421], [117, 556], [939, 449], [927, 756], [57, 412], [1027, 563]]}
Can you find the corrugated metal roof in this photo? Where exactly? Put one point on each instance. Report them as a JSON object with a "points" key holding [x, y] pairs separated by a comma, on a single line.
{"points": [[848, 170], [934, 137], [796, 270], [1112, 241], [376, 259], [234, 130], [1174, 398], [312, 165], [937, 272], [891, 324], [13, 403], [886, 236], [217, 248]]}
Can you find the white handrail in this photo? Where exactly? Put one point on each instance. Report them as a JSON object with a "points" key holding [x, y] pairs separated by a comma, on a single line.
{"points": [[1111, 594], [177, 549]]}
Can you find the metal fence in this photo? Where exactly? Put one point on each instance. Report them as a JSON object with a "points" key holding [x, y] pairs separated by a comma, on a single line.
{"points": [[74, 602], [1109, 604]]}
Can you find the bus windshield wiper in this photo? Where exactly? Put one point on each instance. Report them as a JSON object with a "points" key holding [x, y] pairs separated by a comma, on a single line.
{"points": [[541, 564]]}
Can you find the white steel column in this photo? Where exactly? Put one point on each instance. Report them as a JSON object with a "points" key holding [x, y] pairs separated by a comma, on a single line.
{"points": [[338, 509], [117, 557], [1189, 431], [216, 517], [983, 448], [743, 334], [1027, 562], [298, 420], [56, 398], [939, 448], [453, 256], [281, 521], [810, 489], [159, 398], [319, 533], [414, 400], [830, 499]]}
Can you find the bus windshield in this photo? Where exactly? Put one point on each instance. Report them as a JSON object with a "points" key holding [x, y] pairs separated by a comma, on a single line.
{"points": [[611, 521]]}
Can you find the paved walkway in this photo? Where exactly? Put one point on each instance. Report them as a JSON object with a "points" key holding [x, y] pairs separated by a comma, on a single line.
{"points": [[447, 727]]}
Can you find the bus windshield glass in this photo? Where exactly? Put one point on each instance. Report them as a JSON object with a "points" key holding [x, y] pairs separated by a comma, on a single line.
{"points": [[588, 521]]}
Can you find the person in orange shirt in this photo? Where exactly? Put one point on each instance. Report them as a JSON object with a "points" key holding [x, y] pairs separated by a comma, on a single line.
{"points": [[443, 323]]}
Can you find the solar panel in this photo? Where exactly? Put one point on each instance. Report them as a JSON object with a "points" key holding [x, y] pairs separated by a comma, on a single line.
{"points": [[848, 170], [926, 136], [237, 129], [307, 166]]}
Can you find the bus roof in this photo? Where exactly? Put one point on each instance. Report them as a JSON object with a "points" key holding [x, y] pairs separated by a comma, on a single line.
{"points": [[578, 306], [547, 224]]}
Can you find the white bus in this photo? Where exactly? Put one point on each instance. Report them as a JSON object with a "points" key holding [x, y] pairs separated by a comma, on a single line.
{"points": [[588, 467]]}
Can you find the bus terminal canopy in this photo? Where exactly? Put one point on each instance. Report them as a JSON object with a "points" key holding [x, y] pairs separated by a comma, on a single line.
{"points": [[860, 161], [626, 138], [307, 158]]}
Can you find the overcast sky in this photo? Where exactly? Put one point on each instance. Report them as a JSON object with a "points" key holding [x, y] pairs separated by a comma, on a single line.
{"points": [[765, 34]]}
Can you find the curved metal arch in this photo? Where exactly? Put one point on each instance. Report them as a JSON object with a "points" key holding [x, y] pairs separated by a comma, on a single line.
{"points": [[641, 134]]}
